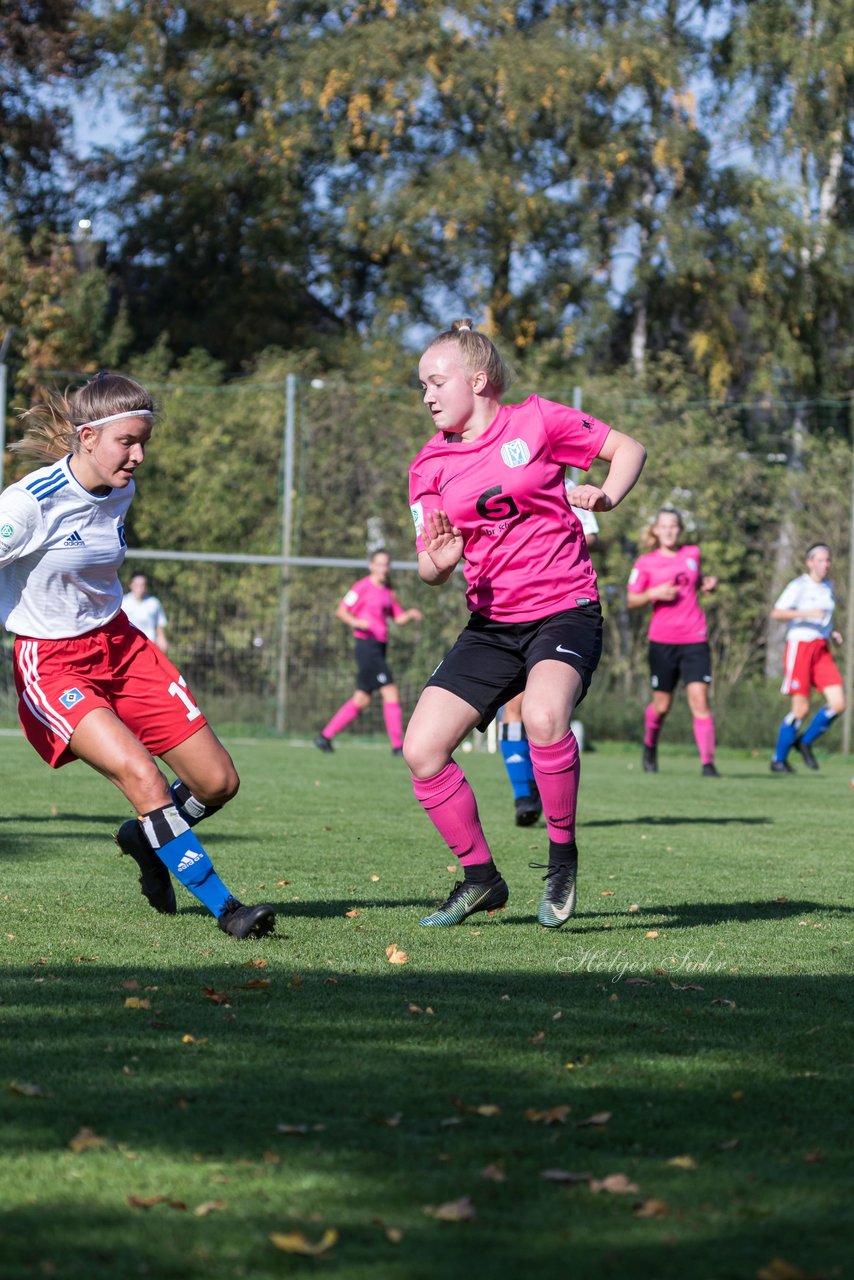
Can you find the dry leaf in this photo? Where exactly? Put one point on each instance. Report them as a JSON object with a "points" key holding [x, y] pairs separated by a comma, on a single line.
{"points": [[493, 1173], [25, 1090], [615, 1183], [257, 964], [730, 1004], [599, 1117], [130, 985], [296, 1242], [394, 1235], [452, 869], [188, 1039], [564, 1175], [300, 1128], [295, 983], [551, 1115], [351, 915], [395, 955], [639, 982], [390, 1122], [208, 1206], [538, 1038], [633, 908], [651, 933], [461, 1210], [780, 1269], [689, 986], [254, 984], [651, 1209], [683, 1162], [488, 1109], [606, 893], [137, 1002], [729, 1145], [374, 879], [86, 1139], [216, 997]]}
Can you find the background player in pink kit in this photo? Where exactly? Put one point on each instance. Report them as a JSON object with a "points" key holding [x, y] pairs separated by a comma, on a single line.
{"points": [[489, 488], [90, 685], [807, 604], [669, 577], [367, 608]]}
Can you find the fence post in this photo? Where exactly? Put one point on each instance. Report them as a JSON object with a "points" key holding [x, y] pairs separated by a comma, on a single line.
{"points": [[287, 525]]}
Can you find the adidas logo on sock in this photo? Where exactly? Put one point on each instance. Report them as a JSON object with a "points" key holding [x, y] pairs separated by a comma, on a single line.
{"points": [[517, 759], [188, 860], [74, 540]]}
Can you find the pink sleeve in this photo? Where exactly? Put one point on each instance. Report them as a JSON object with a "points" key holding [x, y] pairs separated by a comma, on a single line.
{"points": [[638, 578], [575, 438], [422, 499], [396, 607]]}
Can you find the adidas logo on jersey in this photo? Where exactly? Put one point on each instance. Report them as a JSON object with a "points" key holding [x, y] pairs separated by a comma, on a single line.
{"points": [[74, 540], [189, 858]]}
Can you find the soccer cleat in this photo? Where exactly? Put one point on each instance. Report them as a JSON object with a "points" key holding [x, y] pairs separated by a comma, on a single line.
{"points": [[781, 766], [528, 808], [558, 900], [154, 881], [805, 751], [323, 744], [397, 751], [246, 922], [466, 898], [709, 771], [650, 759]]}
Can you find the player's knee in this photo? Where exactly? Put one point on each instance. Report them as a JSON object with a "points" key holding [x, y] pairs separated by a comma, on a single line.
{"points": [[222, 786], [544, 725], [421, 760]]}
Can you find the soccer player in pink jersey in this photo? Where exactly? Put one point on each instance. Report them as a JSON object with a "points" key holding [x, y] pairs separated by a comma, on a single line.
{"points": [[90, 685], [367, 608], [669, 577], [807, 605], [488, 489]]}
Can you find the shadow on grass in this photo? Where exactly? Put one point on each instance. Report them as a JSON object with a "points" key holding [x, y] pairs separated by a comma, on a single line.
{"points": [[751, 1076], [656, 820], [690, 915]]}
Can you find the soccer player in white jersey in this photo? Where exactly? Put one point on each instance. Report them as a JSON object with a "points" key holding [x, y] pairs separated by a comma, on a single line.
{"points": [[807, 604], [90, 686], [145, 611], [488, 488]]}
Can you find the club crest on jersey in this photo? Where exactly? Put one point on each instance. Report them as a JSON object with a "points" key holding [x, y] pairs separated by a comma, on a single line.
{"points": [[691, 562], [515, 453], [417, 509], [71, 697], [122, 538], [6, 531]]}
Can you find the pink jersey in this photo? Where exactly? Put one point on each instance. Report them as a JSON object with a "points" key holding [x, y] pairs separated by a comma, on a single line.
{"points": [[525, 555], [679, 621], [376, 605]]}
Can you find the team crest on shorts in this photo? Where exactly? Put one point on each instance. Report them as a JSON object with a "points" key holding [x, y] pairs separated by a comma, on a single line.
{"points": [[515, 453], [71, 697]]}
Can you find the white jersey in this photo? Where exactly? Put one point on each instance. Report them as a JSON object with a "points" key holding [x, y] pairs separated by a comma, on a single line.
{"points": [[146, 614], [805, 593], [60, 551]]}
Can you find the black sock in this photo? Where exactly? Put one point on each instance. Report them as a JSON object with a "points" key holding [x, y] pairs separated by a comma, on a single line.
{"points": [[563, 855], [191, 809], [480, 872]]}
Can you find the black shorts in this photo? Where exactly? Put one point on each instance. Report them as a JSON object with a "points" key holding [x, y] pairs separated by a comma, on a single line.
{"points": [[490, 661], [372, 670], [670, 663]]}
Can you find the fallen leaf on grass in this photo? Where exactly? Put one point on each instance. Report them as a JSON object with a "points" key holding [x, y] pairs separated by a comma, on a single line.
{"points": [[130, 985], [216, 997], [86, 1139], [390, 1122], [633, 908], [598, 1118], [606, 893], [300, 1128], [395, 955], [25, 1090], [208, 1206], [615, 1183], [296, 1242], [537, 1038], [651, 1209], [493, 1173], [564, 1175], [813, 1157], [257, 964], [488, 1109], [689, 986], [394, 1235], [295, 983], [416, 1010], [254, 984], [729, 1004], [148, 1202], [781, 1269], [188, 1039], [374, 879], [137, 1002], [683, 1162], [729, 1145], [551, 1115], [351, 915], [651, 933], [461, 1210], [639, 982]]}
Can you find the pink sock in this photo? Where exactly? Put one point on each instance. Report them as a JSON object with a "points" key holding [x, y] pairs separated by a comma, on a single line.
{"points": [[704, 736], [449, 803], [652, 723], [341, 719], [393, 717], [557, 770]]}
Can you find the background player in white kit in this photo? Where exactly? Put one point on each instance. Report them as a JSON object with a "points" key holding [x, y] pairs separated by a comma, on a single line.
{"points": [[145, 611], [806, 604], [91, 686]]}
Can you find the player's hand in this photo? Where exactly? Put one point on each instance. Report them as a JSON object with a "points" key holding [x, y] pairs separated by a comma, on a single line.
{"points": [[836, 637], [589, 498], [443, 541], [708, 584], [665, 591]]}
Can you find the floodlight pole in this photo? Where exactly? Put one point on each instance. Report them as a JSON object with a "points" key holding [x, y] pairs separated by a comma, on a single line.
{"points": [[287, 525], [4, 347]]}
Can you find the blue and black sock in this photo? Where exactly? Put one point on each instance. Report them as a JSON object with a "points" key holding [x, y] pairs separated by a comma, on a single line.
{"points": [[517, 758], [820, 723], [786, 736], [169, 835]]}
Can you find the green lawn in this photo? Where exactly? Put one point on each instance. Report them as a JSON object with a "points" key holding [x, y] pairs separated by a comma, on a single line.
{"points": [[698, 1007]]}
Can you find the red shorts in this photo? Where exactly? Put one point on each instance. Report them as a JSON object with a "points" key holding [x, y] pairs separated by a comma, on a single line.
{"points": [[807, 665], [61, 681]]}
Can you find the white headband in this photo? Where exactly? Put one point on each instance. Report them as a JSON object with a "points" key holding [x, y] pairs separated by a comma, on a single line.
{"points": [[115, 417], [464, 328]]}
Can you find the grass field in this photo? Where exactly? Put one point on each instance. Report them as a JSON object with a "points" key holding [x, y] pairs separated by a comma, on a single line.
{"points": [[172, 1099]]}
